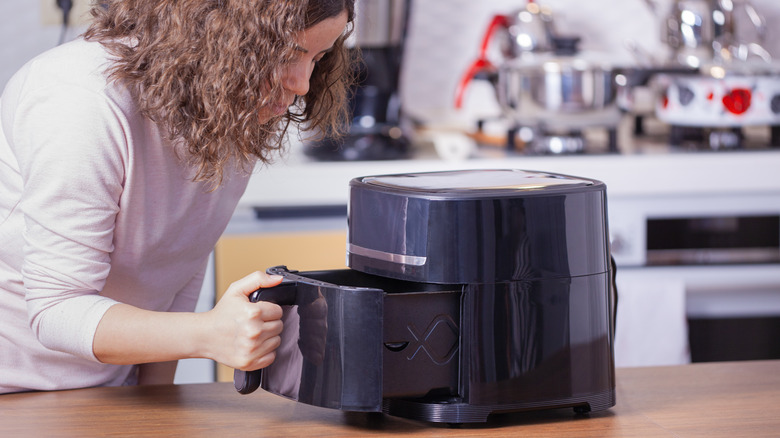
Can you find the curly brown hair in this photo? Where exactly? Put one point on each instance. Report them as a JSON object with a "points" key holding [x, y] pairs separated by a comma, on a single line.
{"points": [[201, 69]]}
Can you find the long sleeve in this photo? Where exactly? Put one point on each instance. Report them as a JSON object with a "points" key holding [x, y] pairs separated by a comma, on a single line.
{"points": [[72, 168]]}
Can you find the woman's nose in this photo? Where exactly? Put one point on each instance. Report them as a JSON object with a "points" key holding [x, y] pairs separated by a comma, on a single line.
{"points": [[296, 78]]}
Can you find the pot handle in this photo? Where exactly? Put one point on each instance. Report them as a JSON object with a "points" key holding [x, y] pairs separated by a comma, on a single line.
{"points": [[283, 294], [498, 20], [481, 64]]}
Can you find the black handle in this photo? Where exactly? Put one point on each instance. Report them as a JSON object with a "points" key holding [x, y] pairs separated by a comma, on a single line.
{"points": [[283, 294]]}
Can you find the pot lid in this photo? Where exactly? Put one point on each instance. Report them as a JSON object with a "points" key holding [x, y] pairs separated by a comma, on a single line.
{"points": [[477, 183]]}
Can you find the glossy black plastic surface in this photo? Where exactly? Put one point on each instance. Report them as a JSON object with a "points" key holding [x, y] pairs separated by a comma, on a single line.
{"points": [[420, 334], [486, 291], [477, 227], [453, 353], [540, 341], [331, 352], [527, 345]]}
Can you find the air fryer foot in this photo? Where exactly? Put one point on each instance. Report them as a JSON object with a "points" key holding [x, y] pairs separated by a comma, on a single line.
{"points": [[582, 409], [455, 412]]}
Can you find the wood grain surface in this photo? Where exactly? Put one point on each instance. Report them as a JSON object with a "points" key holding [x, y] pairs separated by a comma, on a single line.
{"points": [[732, 399]]}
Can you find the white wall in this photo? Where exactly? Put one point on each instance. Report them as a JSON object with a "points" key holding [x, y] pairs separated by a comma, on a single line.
{"points": [[22, 36]]}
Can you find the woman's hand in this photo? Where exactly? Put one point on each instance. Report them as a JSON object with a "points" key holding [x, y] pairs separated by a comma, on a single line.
{"points": [[245, 335], [236, 332]]}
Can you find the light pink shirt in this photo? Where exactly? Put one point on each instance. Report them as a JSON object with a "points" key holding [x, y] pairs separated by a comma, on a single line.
{"points": [[95, 208]]}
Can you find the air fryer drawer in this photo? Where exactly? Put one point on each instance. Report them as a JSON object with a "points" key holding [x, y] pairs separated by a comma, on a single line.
{"points": [[351, 339], [420, 332]]}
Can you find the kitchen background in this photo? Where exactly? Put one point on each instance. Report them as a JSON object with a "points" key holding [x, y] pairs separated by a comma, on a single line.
{"points": [[443, 38]]}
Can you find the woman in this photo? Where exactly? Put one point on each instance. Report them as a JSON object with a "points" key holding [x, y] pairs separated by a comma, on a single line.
{"points": [[122, 157]]}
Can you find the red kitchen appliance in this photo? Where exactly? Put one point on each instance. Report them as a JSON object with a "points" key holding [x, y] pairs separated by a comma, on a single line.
{"points": [[468, 293], [737, 85], [713, 107]]}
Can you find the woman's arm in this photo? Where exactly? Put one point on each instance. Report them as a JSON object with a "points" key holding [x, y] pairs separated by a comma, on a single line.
{"points": [[236, 332]]}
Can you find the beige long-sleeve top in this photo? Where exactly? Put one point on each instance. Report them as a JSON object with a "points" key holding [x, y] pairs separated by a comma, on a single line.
{"points": [[95, 209]]}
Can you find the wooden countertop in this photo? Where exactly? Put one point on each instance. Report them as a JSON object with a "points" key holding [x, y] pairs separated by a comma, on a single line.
{"points": [[729, 399]]}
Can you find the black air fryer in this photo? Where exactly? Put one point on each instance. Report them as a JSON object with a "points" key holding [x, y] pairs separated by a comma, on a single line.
{"points": [[469, 293]]}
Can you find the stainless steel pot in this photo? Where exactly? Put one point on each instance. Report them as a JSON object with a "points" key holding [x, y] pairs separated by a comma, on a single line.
{"points": [[544, 76], [557, 86]]}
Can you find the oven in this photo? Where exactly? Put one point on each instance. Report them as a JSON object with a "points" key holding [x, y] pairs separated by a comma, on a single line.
{"points": [[698, 277]]}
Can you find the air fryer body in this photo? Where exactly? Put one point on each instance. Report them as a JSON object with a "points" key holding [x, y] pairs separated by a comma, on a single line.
{"points": [[496, 296]]}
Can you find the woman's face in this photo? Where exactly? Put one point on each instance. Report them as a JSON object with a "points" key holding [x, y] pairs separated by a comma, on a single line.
{"points": [[313, 44]]}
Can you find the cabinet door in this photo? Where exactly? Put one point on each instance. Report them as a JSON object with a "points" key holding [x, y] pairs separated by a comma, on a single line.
{"points": [[236, 255]]}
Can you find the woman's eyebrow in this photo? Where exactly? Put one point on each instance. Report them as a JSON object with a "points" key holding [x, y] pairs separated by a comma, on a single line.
{"points": [[302, 49]]}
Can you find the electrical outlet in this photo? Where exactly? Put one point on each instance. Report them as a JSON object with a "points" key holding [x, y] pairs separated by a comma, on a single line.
{"points": [[51, 14]]}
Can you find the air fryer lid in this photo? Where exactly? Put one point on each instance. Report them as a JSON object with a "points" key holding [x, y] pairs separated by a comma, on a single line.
{"points": [[477, 226], [475, 183]]}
